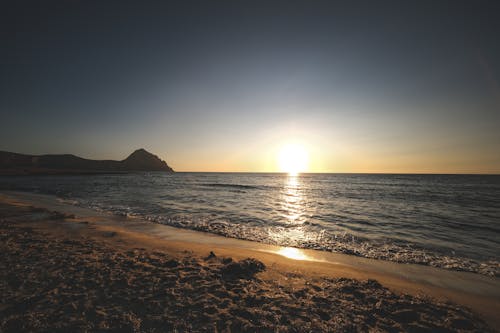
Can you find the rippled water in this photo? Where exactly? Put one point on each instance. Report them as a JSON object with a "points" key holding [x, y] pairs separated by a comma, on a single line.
{"points": [[450, 221]]}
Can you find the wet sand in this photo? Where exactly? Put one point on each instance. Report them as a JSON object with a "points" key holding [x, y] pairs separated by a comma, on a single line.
{"points": [[64, 272]]}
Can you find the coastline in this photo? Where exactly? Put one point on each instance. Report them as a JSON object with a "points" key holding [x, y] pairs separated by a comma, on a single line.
{"points": [[287, 211], [413, 283]]}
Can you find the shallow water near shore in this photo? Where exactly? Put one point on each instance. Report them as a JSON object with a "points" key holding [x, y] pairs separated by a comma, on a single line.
{"points": [[447, 221]]}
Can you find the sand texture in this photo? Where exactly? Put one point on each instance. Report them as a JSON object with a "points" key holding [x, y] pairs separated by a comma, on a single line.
{"points": [[86, 279]]}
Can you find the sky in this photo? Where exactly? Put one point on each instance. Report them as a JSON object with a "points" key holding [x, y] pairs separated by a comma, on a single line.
{"points": [[362, 86]]}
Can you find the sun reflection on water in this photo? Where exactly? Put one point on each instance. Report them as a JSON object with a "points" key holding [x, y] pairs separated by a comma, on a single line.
{"points": [[292, 200], [293, 253], [292, 211]]}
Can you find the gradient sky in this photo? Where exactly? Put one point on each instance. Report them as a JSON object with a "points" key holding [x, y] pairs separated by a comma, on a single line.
{"points": [[374, 86]]}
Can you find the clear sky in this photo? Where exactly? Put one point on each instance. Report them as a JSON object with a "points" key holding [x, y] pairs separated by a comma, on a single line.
{"points": [[373, 86]]}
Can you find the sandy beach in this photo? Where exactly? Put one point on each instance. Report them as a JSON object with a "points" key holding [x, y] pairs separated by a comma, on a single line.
{"points": [[81, 271]]}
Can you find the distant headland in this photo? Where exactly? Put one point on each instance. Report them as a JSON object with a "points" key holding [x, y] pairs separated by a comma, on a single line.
{"points": [[21, 164]]}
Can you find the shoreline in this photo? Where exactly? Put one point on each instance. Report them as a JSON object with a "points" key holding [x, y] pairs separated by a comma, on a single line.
{"points": [[480, 293], [433, 245]]}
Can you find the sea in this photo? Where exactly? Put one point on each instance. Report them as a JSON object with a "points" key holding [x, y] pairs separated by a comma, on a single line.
{"points": [[446, 221]]}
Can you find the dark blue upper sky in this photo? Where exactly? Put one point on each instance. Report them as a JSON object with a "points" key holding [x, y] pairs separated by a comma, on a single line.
{"points": [[219, 85]]}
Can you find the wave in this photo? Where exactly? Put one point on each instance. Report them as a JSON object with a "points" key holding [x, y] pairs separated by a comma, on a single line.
{"points": [[307, 235], [237, 186], [340, 242]]}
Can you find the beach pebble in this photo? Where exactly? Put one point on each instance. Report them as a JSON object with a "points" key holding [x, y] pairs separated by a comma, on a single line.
{"points": [[211, 255], [171, 263], [244, 269], [405, 316]]}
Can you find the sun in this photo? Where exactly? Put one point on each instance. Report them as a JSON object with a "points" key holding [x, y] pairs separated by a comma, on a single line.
{"points": [[293, 158]]}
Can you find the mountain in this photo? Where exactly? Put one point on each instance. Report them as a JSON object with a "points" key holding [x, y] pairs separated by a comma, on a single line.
{"points": [[139, 160]]}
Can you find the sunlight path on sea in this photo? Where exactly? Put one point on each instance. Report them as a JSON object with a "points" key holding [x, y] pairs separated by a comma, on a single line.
{"points": [[292, 208], [292, 199]]}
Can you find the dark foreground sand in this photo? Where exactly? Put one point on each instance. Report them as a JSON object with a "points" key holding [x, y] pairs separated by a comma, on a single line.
{"points": [[61, 274]]}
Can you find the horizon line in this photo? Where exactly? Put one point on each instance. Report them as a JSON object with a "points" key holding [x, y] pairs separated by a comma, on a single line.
{"points": [[351, 173]]}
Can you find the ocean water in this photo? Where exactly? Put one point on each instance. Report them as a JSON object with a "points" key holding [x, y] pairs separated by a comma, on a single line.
{"points": [[448, 221]]}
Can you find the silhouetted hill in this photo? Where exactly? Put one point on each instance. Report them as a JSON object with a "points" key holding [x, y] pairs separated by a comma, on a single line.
{"points": [[144, 160], [139, 160]]}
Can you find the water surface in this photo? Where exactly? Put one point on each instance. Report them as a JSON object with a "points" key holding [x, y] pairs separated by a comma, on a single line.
{"points": [[449, 221]]}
